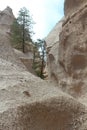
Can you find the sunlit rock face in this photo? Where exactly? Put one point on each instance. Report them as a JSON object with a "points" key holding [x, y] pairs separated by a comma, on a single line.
{"points": [[52, 44]]}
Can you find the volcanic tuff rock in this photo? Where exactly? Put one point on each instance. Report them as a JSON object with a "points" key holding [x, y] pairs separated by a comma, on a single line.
{"points": [[68, 66], [71, 6], [6, 19], [29, 103], [72, 53], [52, 43], [70, 59], [6, 51], [26, 59]]}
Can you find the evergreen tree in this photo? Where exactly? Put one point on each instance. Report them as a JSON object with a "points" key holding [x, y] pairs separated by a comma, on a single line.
{"points": [[16, 35], [42, 51], [21, 29], [39, 65], [36, 59]]}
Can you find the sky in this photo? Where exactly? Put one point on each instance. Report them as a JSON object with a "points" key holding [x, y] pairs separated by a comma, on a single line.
{"points": [[45, 13]]}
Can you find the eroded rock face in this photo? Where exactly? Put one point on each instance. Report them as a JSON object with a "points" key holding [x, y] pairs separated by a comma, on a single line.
{"points": [[29, 103], [73, 49], [52, 43], [26, 59], [6, 51], [69, 68], [71, 6], [6, 19], [69, 64]]}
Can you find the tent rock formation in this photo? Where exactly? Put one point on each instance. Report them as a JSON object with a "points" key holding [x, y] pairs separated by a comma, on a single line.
{"points": [[29, 103], [67, 55]]}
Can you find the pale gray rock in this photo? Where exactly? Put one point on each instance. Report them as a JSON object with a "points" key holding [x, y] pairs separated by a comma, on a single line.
{"points": [[68, 66], [53, 36], [72, 6], [26, 59], [67, 58], [6, 19], [6, 51], [52, 43], [72, 52], [29, 103]]}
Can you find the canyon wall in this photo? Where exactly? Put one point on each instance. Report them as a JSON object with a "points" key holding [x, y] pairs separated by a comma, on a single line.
{"points": [[67, 62], [29, 103], [67, 57]]}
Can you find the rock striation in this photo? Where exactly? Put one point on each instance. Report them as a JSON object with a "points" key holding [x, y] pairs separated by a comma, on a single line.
{"points": [[52, 43], [29, 103], [72, 52], [71, 6], [26, 59], [69, 59], [6, 19], [67, 62]]}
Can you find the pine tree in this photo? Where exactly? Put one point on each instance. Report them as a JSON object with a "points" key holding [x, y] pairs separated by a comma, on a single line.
{"points": [[39, 64], [21, 30], [42, 51]]}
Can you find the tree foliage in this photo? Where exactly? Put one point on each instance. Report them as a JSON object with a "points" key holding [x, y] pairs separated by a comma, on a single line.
{"points": [[40, 47], [21, 29], [21, 33]]}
